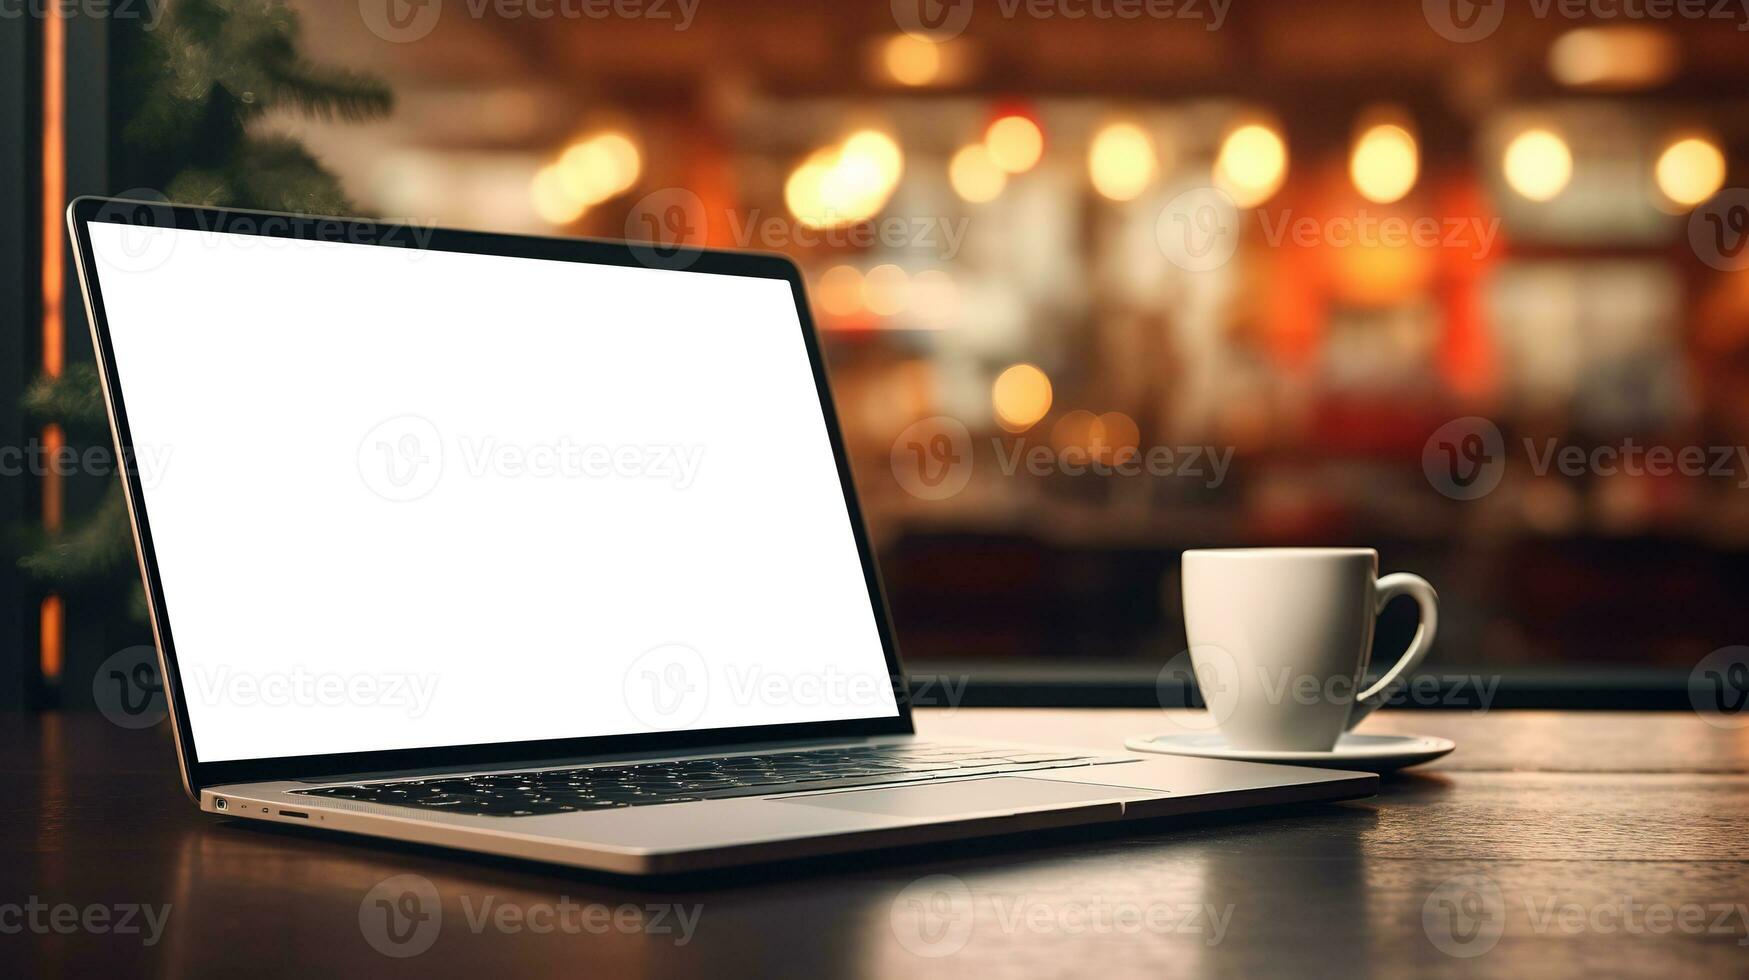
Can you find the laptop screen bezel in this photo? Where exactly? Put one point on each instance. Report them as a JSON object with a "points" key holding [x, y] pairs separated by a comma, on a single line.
{"points": [[197, 774]]}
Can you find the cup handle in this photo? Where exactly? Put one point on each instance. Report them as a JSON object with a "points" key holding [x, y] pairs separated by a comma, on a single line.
{"points": [[1386, 589]]}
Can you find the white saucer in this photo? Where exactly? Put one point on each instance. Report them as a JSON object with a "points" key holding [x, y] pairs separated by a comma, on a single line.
{"points": [[1368, 753]]}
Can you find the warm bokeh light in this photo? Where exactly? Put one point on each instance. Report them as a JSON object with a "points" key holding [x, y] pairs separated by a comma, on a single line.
{"points": [[911, 60], [626, 160], [1121, 161], [602, 166], [1015, 143], [1538, 165], [1114, 438], [878, 150], [1617, 57], [802, 192], [885, 289], [934, 299], [1378, 275], [1021, 396], [846, 183], [1072, 433], [1083, 437], [839, 291], [975, 176], [552, 201], [1252, 164], [1690, 171], [1385, 163]]}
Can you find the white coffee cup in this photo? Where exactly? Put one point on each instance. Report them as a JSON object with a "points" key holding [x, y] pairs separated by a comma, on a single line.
{"points": [[1280, 639]]}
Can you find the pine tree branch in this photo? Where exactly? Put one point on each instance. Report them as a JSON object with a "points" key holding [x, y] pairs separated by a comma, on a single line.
{"points": [[204, 187], [74, 399], [277, 173], [101, 544], [328, 93]]}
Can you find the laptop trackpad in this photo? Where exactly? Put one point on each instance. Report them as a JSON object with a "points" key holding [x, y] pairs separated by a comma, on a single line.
{"points": [[970, 796]]}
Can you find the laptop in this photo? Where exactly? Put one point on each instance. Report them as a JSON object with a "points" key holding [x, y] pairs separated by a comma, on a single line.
{"points": [[541, 548]]}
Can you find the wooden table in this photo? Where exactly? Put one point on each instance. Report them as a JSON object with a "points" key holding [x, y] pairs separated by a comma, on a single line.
{"points": [[1597, 844]]}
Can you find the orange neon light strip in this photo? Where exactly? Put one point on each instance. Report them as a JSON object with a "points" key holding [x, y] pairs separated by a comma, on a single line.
{"points": [[54, 191]]}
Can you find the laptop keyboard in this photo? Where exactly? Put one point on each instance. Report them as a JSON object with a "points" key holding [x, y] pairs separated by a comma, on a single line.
{"points": [[570, 790]]}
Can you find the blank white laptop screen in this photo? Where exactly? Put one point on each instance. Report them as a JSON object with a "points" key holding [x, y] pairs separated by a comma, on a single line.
{"points": [[405, 498]]}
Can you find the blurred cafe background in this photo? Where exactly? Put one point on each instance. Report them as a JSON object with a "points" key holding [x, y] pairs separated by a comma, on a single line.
{"points": [[1097, 280]]}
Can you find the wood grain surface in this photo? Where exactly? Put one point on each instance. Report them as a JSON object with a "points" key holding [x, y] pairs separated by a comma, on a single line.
{"points": [[1584, 844]]}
